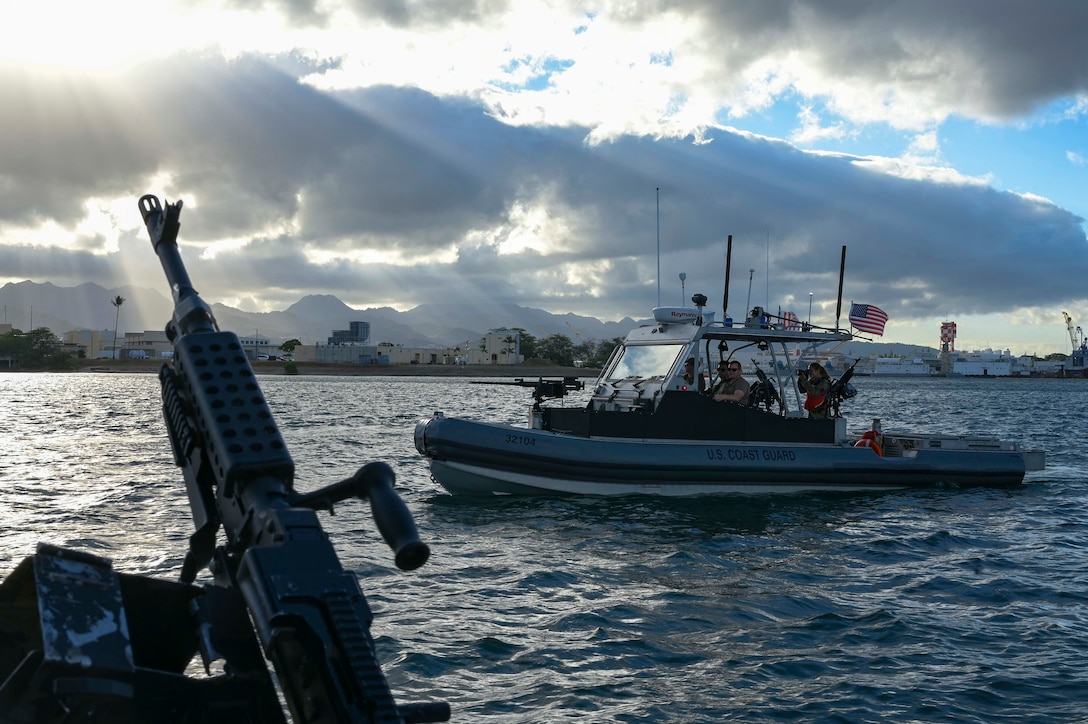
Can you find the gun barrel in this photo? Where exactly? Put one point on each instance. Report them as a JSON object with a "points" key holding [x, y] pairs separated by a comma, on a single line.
{"points": [[191, 313]]}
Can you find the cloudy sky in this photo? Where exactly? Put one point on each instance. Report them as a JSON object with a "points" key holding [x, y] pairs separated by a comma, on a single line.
{"points": [[558, 154]]}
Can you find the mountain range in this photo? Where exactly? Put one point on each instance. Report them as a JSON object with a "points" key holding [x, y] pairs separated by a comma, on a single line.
{"points": [[27, 305]]}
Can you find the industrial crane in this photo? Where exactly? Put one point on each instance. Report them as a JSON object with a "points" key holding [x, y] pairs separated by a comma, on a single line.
{"points": [[1076, 334], [581, 339]]}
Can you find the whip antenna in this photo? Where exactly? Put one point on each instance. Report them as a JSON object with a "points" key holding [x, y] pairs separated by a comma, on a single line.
{"points": [[842, 270], [728, 262]]}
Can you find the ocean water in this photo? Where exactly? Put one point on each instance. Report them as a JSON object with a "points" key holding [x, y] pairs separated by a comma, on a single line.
{"points": [[937, 606]]}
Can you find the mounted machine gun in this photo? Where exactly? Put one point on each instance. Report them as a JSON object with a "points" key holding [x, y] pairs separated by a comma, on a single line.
{"points": [[83, 643], [542, 389], [841, 390]]}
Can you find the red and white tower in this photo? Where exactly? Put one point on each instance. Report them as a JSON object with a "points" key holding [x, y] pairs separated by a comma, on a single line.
{"points": [[948, 336]]}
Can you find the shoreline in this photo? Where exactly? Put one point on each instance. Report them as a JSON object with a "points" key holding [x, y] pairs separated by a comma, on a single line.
{"points": [[349, 370]]}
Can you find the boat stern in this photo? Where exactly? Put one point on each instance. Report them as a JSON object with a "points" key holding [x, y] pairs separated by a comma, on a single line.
{"points": [[1034, 460]]}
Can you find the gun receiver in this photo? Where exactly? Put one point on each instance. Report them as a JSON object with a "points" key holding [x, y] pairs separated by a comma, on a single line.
{"points": [[279, 587]]}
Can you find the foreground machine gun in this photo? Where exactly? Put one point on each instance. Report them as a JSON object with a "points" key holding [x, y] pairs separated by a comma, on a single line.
{"points": [[80, 642]]}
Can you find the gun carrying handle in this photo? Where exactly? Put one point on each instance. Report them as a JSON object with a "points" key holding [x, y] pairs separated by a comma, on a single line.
{"points": [[374, 481]]}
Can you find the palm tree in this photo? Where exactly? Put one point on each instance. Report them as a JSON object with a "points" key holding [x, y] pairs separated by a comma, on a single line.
{"points": [[116, 302], [509, 341]]}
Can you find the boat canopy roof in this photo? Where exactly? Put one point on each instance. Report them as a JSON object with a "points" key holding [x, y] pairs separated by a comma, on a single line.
{"points": [[666, 333], [768, 334], [657, 351]]}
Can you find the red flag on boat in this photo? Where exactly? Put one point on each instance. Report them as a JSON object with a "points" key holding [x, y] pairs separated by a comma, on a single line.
{"points": [[868, 319], [791, 322]]}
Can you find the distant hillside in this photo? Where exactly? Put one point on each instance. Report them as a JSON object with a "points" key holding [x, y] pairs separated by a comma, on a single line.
{"points": [[536, 322], [311, 319], [87, 306]]}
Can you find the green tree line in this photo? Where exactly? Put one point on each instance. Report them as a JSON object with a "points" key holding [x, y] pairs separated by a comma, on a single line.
{"points": [[38, 349], [561, 350]]}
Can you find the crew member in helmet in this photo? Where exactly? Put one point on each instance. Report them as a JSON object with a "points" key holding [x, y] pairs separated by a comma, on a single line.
{"points": [[691, 378]]}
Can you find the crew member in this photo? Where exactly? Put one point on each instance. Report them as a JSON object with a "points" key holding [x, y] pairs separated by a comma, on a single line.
{"points": [[691, 378], [817, 386], [730, 387]]}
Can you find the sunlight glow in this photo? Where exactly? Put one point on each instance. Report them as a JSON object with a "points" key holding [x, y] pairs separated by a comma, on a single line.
{"points": [[47, 233], [223, 246], [109, 34], [904, 168], [99, 231], [534, 229], [90, 35], [367, 257], [587, 276]]}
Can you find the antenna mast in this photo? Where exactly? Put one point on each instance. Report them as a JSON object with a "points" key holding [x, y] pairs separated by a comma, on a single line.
{"points": [[658, 246], [842, 270], [728, 263]]}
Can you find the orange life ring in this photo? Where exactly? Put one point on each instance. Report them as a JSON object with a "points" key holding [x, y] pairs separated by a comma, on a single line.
{"points": [[870, 443]]}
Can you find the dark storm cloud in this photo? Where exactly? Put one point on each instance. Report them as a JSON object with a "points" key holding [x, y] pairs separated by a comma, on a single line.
{"points": [[398, 169], [991, 58], [66, 137], [45, 264], [995, 59], [248, 142], [919, 247], [403, 13], [298, 12]]}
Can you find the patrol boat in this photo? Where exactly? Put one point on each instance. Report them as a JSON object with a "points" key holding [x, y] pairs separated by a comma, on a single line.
{"points": [[648, 430]]}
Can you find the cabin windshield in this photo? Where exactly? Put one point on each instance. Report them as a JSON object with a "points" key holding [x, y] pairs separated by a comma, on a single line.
{"points": [[649, 361]]}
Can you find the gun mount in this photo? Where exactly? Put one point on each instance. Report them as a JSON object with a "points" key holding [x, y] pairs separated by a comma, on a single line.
{"points": [[83, 643]]}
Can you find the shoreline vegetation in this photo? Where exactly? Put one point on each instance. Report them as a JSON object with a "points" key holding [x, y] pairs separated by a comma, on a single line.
{"points": [[530, 370]]}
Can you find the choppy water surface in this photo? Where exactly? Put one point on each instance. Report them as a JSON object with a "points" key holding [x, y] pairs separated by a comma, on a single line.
{"points": [[967, 606]]}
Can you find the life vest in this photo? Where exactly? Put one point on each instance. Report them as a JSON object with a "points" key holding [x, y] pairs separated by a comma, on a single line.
{"points": [[814, 402]]}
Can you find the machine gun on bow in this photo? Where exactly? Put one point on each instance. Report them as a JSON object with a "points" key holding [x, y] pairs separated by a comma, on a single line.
{"points": [[841, 390], [114, 647], [542, 389]]}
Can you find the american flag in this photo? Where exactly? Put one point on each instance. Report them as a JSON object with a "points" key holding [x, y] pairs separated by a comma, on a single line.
{"points": [[791, 322], [868, 318]]}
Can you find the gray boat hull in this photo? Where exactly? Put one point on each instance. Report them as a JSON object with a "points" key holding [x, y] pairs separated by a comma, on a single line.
{"points": [[477, 458]]}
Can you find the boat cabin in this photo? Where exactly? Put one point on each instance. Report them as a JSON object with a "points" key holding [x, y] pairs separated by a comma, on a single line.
{"points": [[642, 393]]}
